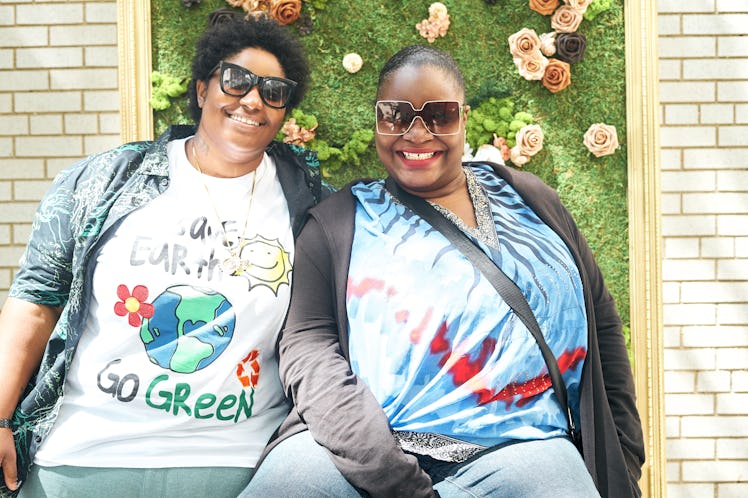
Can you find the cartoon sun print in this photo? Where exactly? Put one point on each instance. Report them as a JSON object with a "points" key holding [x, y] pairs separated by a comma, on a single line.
{"points": [[133, 304], [269, 263], [248, 370]]}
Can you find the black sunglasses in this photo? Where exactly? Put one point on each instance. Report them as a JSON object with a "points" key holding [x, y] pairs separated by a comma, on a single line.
{"points": [[238, 81], [440, 117]]}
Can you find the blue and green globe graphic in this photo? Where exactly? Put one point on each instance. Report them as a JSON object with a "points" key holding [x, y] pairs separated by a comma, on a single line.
{"points": [[189, 329]]}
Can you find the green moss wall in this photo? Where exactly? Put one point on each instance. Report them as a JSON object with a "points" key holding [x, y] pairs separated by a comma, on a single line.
{"points": [[594, 189]]}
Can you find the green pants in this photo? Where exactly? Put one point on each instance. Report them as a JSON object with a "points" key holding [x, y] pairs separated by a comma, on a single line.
{"points": [[99, 482]]}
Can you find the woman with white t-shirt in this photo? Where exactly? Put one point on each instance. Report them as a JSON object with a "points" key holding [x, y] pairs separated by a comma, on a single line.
{"points": [[137, 345]]}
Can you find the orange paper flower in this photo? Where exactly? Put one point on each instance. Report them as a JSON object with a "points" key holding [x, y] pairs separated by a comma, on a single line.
{"points": [[545, 7], [557, 75], [285, 11]]}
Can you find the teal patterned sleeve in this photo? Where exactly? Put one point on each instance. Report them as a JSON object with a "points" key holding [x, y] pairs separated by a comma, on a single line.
{"points": [[45, 272]]}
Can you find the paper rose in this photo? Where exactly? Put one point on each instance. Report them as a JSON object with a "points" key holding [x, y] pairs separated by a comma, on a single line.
{"points": [[251, 6], [524, 43], [436, 25], [295, 134], [570, 47], [580, 5], [285, 11], [548, 43], [352, 62], [529, 140], [517, 158], [544, 7], [557, 75], [531, 68], [438, 10], [500, 143], [566, 19], [490, 153], [601, 139]]}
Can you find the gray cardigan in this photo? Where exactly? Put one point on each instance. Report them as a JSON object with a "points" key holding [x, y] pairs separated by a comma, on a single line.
{"points": [[344, 416]]}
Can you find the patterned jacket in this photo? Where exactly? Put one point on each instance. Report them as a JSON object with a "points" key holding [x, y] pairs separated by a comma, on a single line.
{"points": [[80, 212]]}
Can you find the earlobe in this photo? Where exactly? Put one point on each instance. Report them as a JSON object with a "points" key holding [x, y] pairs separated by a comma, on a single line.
{"points": [[201, 89]]}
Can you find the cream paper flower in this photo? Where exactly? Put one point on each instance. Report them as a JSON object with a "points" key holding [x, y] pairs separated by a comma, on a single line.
{"points": [[517, 158], [438, 10], [531, 68], [601, 139], [352, 62], [548, 43]]}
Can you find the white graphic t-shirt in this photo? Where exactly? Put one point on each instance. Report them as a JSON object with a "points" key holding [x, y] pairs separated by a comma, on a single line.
{"points": [[177, 364]]}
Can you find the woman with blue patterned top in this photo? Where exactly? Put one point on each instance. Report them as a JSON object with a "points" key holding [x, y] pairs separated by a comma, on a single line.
{"points": [[409, 373], [138, 342]]}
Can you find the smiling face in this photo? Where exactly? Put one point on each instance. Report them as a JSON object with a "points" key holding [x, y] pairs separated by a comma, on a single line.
{"points": [[423, 164], [238, 129]]}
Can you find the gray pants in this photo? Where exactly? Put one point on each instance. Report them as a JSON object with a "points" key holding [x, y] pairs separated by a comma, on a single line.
{"points": [[99, 482]]}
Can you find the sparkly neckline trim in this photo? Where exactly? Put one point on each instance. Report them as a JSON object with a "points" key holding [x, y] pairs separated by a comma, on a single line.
{"points": [[486, 230]]}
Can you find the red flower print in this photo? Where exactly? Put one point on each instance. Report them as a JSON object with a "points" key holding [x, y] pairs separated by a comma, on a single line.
{"points": [[133, 305], [248, 370]]}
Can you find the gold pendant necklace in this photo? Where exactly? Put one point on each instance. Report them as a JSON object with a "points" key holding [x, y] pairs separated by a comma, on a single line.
{"points": [[233, 264]]}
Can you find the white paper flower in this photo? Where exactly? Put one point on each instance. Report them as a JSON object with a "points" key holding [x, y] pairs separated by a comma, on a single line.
{"points": [[488, 152], [352, 62], [548, 43], [467, 152], [438, 9]]}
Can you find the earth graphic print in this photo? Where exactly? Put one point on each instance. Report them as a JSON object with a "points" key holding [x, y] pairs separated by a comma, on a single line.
{"points": [[189, 329]]}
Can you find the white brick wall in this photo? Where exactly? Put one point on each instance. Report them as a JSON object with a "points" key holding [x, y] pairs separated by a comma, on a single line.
{"points": [[58, 102], [703, 46]]}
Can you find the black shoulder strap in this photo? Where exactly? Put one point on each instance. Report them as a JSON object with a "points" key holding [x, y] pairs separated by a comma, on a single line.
{"points": [[505, 286]]}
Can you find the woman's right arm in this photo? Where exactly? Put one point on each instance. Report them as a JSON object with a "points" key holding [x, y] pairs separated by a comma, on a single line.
{"points": [[25, 329], [339, 409]]}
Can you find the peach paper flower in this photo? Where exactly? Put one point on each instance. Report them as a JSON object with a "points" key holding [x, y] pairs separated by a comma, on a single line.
{"points": [[601, 139], [529, 140], [566, 19], [251, 6], [531, 68], [285, 11], [524, 44], [500, 143], [580, 5], [436, 25], [557, 75], [517, 158], [545, 7], [295, 134]]}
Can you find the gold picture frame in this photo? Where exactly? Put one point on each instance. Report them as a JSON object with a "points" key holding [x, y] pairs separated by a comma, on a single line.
{"points": [[642, 110]]}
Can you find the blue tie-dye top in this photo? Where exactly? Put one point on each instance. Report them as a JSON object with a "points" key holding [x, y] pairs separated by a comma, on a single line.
{"points": [[437, 346]]}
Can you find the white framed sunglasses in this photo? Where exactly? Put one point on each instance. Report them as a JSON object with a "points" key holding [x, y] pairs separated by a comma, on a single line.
{"points": [[440, 117]]}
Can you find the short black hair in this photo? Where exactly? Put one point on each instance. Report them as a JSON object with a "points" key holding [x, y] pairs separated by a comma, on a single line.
{"points": [[232, 34], [421, 55]]}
